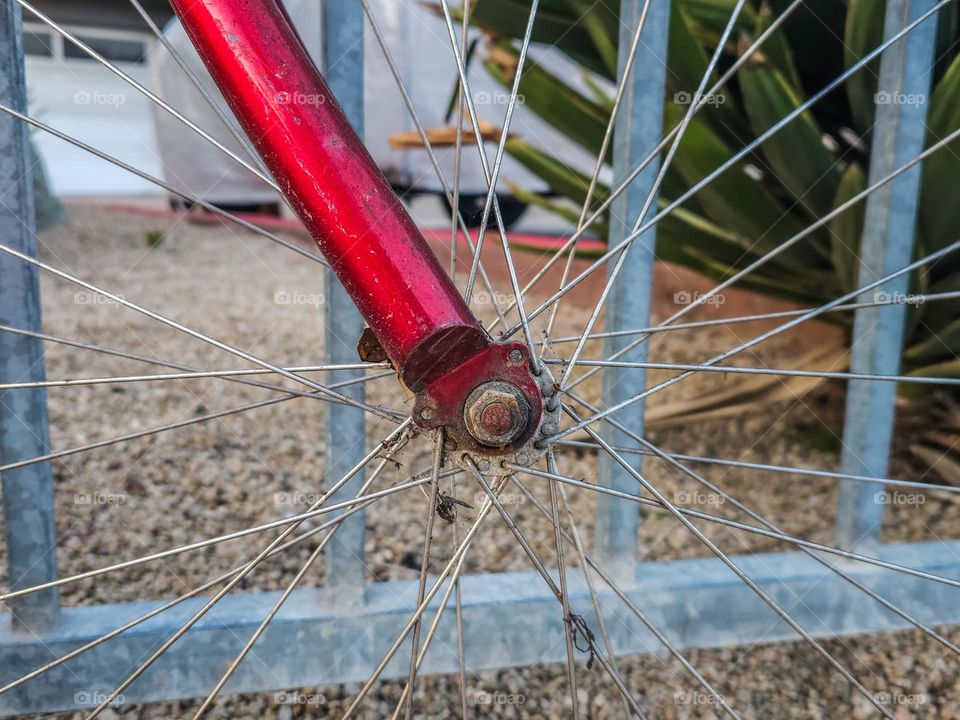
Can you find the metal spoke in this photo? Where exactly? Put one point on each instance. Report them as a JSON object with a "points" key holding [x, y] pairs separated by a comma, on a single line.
{"points": [[163, 184], [452, 586], [195, 81], [431, 154], [381, 412], [654, 190], [671, 648], [568, 622], [53, 25], [601, 159], [771, 526], [783, 469], [228, 673], [565, 601], [810, 314], [716, 519], [424, 569], [849, 555], [457, 161], [491, 178], [163, 608], [98, 348], [4, 597], [398, 434], [458, 608], [588, 579], [730, 162], [734, 370], [538, 565], [407, 693], [170, 426], [266, 621], [416, 659], [617, 191], [455, 561], [200, 374], [181, 598], [913, 299], [783, 246], [236, 376], [757, 590]]}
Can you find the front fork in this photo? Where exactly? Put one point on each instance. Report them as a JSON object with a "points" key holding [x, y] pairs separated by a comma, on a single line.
{"points": [[482, 392]]}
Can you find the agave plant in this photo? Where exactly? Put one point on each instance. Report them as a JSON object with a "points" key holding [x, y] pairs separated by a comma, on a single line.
{"points": [[800, 174]]}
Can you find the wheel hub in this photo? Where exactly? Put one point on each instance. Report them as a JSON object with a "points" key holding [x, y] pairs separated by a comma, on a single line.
{"points": [[491, 409]]}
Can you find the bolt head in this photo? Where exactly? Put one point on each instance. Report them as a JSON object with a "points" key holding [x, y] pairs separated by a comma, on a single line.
{"points": [[496, 418], [516, 355], [496, 413]]}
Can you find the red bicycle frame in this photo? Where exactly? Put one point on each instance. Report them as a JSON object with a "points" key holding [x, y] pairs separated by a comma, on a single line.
{"points": [[439, 348]]}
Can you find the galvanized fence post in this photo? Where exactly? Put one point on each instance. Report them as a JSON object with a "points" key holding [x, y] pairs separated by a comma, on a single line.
{"points": [[639, 127], [888, 238], [343, 24], [24, 429]]}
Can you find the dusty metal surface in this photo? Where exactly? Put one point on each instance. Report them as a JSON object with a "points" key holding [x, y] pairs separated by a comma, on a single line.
{"points": [[890, 227], [24, 428]]}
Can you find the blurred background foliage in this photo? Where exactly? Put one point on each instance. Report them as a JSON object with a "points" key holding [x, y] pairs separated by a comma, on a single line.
{"points": [[802, 172]]}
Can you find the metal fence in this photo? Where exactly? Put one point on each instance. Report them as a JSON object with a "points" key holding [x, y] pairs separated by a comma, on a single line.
{"points": [[510, 619]]}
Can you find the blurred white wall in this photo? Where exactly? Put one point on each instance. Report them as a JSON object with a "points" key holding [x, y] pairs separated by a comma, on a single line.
{"points": [[81, 98]]}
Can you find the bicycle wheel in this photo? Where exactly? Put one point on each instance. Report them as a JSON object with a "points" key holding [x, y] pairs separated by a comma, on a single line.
{"points": [[487, 515]]}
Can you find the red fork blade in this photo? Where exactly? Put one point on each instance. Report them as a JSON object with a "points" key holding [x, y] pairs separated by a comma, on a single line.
{"points": [[332, 183]]}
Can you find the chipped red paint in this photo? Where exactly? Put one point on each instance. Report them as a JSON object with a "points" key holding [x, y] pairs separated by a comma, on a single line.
{"points": [[334, 186]]}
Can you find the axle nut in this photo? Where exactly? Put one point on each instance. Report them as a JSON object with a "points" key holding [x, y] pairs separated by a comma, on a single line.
{"points": [[496, 413]]}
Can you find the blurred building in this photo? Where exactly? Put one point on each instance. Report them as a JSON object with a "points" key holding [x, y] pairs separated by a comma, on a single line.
{"points": [[77, 95], [80, 97], [420, 46]]}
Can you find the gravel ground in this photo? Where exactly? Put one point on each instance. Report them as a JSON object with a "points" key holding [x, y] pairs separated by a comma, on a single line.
{"points": [[184, 485]]}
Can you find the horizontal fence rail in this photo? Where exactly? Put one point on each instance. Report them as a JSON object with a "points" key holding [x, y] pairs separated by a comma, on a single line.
{"points": [[510, 619]]}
